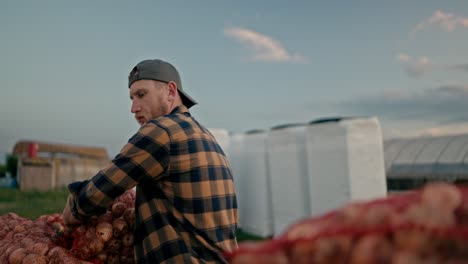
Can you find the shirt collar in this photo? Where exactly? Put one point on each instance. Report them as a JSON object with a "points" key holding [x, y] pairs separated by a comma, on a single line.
{"points": [[181, 109]]}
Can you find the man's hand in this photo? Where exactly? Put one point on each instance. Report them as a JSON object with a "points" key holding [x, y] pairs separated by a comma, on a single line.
{"points": [[68, 217]]}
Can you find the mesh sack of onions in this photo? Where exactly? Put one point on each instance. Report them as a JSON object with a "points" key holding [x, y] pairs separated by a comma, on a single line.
{"points": [[104, 239], [429, 225], [107, 238], [26, 241]]}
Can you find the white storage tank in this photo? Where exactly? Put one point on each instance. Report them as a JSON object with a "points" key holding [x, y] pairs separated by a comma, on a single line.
{"points": [[255, 200], [222, 137], [236, 157], [345, 162], [288, 175]]}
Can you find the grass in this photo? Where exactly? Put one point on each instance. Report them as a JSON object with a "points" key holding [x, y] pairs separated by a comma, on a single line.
{"points": [[244, 236], [32, 204]]}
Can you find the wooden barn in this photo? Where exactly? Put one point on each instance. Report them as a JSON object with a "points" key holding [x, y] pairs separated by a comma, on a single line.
{"points": [[45, 166]]}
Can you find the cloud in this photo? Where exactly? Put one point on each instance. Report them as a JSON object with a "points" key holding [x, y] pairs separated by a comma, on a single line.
{"points": [[417, 128], [450, 129], [447, 21], [443, 105], [459, 67], [403, 57], [264, 47], [415, 68], [431, 112]]}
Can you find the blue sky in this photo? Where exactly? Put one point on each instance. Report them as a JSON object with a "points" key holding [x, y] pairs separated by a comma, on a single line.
{"points": [[250, 65]]}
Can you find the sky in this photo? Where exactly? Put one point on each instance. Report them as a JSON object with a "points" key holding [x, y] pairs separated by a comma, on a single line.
{"points": [[249, 64]]}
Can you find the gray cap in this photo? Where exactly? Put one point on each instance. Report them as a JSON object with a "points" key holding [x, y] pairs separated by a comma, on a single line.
{"points": [[162, 71]]}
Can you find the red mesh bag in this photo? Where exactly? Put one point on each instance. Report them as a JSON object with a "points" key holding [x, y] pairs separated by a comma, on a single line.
{"points": [[104, 239], [429, 225]]}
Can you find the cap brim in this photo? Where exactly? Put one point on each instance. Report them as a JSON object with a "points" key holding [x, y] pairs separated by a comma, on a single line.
{"points": [[186, 99]]}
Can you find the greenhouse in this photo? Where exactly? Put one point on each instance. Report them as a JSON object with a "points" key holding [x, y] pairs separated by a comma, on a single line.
{"points": [[411, 162]]}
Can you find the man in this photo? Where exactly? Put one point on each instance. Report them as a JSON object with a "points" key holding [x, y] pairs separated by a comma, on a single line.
{"points": [[186, 209]]}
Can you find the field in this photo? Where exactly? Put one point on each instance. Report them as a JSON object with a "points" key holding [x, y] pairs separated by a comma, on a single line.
{"points": [[33, 204]]}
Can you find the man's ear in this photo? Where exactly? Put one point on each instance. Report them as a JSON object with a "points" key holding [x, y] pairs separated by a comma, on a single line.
{"points": [[172, 88]]}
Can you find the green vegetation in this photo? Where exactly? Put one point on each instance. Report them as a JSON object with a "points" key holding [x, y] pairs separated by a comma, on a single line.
{"points": [[2, 170], [12, 165], [244, 236], [32, 204]]}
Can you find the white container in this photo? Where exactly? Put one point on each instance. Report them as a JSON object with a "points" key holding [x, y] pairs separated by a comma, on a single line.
{"points": [[236, 157], [345, 162], [254, 192], [222, 137], [288, 175]]}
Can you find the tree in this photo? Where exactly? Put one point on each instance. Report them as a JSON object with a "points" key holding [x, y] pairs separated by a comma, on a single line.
{"points": [[2, 170], [12, 165]]}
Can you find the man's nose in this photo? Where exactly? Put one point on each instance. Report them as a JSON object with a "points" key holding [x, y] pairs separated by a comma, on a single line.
{"points": [[135, 107]]}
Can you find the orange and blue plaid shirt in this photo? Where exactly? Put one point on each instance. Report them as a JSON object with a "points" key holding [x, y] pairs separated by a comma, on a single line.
{"points": [[186, 208]]}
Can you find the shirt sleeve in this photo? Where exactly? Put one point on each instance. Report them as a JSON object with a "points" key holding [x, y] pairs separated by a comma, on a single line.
{"points": [[144, 158]]}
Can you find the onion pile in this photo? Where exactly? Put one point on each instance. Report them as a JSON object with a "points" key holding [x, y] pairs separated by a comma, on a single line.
{"points": [[104, 239], [429, 225]]}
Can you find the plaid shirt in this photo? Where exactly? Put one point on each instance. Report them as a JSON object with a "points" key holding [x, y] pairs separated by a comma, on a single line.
{"points": [[186, 208]]}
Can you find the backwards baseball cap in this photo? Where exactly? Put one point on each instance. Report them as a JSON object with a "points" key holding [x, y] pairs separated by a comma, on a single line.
{"points": [[162, 71]]}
